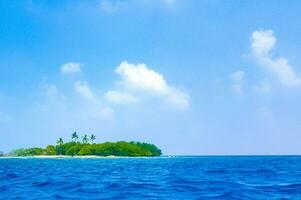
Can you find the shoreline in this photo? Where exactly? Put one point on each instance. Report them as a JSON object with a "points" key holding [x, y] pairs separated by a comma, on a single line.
{"points": [[65, 156]]}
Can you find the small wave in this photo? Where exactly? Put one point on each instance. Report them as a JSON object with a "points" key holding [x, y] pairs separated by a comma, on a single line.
{"points": [[284, 187], [113, 186], [3, 188], [226, 195], [216, 171], [12, 175], [136, 178], [41, 184]]}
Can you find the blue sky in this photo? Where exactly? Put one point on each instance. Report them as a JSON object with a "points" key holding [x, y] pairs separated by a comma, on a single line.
{"points": [[193, 77]]}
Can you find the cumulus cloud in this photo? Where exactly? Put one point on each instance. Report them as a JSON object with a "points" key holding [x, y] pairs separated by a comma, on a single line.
{"points": [[71, 67], [83, 89], [138, 80], [237, 79], [139, 77], [263, 42]]}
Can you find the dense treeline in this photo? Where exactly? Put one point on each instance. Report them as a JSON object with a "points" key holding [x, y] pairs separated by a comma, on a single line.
{"points": [[88, 147]]}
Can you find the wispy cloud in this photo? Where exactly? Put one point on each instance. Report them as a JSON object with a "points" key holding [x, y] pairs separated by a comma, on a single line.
{"points": [[51, 89], [48, 89], [263, 43], [83, 89], [120, 97], [71, 67]]}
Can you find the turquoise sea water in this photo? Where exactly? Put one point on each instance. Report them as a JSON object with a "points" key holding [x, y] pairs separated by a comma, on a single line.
{"points": [[266, 177]]}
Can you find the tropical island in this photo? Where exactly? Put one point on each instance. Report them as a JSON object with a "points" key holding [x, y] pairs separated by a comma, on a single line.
{"points": [[87, 147]]}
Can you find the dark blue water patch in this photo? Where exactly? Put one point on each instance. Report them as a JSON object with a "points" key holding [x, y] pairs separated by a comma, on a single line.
{"points": [[265, 177]]}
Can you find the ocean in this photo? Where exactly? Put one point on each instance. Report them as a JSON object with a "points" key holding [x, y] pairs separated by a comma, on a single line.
{"points": [[179, 177]]}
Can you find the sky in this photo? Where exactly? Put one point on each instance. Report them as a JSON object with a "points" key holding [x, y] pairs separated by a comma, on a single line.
{"points": [[193, 77]]}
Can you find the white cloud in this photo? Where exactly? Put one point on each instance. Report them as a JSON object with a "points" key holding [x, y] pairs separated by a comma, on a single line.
{"points": [[237, 79], [50, 90], [138, 80], [263, 42], [83, 89], [71, 67], [120, 97], [178, 99]]}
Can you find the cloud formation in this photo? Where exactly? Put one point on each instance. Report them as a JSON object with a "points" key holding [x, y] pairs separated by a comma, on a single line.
{"points": [[71, 67], [120, 97], [49, 89], [263, 42], [83, 89], [138, 80]]}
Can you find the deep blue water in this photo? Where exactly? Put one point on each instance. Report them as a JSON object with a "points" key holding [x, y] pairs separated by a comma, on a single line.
{"points": [[267, 177]]}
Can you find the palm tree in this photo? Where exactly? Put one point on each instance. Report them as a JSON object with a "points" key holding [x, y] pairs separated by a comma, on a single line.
{"points": [[92, 138], [59, 143], [85, 139], [74, 136]]}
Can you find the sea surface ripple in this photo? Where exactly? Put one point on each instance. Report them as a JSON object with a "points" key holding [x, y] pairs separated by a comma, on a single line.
{"points": [[179, 177]]}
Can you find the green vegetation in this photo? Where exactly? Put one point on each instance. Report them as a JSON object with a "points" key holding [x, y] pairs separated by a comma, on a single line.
{"points": [[88, 147], [26, 152]]}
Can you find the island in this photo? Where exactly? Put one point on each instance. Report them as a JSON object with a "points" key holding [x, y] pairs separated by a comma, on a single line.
{"points": [[87, 147]]}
